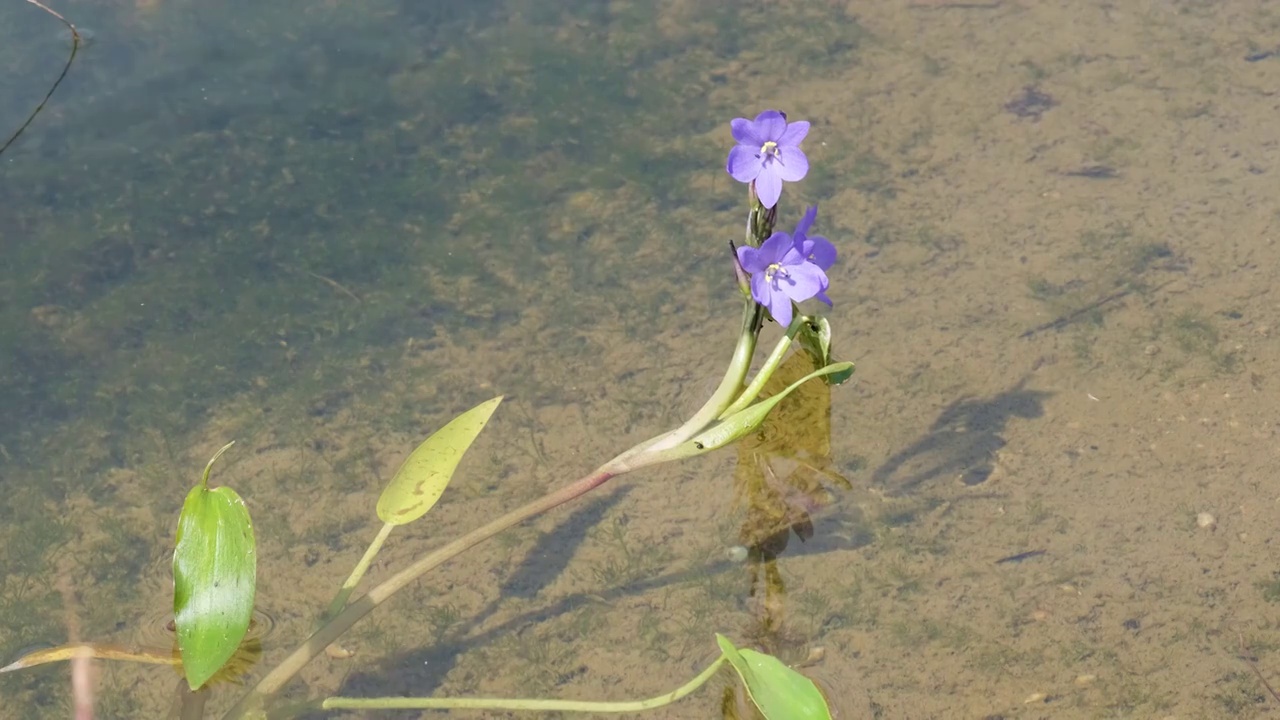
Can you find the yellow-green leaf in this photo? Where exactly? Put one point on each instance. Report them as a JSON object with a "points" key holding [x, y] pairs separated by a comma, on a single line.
{"points": [[747, 420], [420, 481], [97, 651], [214, 578], [779, 692]]}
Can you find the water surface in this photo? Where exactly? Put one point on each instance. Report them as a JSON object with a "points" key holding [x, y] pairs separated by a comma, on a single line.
{"points": [[323, 229]]}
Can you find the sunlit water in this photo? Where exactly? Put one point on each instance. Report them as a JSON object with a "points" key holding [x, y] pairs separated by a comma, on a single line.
{"points": [[322, 230]]}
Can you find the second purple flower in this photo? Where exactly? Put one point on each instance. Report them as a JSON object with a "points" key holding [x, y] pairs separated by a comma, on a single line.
{"points": [[789, 268]]}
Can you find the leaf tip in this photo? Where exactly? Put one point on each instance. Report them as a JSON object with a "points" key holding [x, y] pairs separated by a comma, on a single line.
{"points": [[204, 480]]}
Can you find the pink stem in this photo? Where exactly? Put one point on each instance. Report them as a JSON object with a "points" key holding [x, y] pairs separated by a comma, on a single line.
{"points": [[332, 630]]}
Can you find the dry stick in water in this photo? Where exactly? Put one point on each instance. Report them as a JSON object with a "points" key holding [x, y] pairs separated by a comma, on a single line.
{"points": [[75, 46], [1247, 656]]}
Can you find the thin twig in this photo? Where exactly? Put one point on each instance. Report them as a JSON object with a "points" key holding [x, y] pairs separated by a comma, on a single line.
{"points": [[1247, 656], [75, 47], [1076, 314], [332, 283]]}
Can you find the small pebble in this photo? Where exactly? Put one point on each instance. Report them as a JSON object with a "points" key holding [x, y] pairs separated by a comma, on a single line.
{"points": [[337, 652], [816, 656], [1206, 521], [737, 553]]}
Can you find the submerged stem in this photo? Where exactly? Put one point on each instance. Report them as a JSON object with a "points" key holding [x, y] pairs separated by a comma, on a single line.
{"points": [[399, 703], [271, 683], [192, 701]]}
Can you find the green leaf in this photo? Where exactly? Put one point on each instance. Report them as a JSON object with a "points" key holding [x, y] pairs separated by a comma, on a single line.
{"points": [[420, 481], [214, 578], [815, 338], [840, 376], [779, 692], [744, 421]]}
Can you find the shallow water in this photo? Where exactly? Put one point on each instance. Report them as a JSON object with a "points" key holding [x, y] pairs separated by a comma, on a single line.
{"points": [[321, 230]]}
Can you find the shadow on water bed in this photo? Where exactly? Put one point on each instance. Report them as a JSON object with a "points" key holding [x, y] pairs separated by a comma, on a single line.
{"points": [[961, 443]]}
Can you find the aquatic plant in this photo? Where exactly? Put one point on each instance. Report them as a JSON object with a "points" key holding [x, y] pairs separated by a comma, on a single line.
{"points": [[215, 551]]}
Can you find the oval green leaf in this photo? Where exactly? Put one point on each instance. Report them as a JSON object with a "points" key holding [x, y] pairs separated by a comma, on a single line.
{"points": [[214, 578], [420, 481], [779, 692]]}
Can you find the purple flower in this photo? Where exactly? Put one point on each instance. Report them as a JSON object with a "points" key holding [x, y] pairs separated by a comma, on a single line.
{"points": [[768, 152], [817, 249], [789, 268], [781, 274]]}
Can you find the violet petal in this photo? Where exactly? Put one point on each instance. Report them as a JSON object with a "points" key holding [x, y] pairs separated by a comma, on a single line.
{"points": [[744, 132], [770, 125], [806, 280], [794, 133], [775, 249], [751, 260], [819, 251], [792, 164], [806, 222], [769, 185], [744, 163]]}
